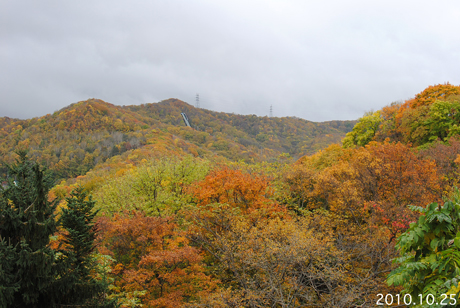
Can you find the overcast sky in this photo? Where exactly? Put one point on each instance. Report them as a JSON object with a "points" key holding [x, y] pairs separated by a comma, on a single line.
{"points": [[318, 60]]}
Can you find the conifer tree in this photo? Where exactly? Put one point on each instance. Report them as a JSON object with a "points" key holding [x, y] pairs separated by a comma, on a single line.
{"points": [[77, 220], [27, 220]]}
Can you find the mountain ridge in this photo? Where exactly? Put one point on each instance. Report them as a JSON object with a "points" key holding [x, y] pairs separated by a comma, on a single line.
{"points": [[76, 138]]}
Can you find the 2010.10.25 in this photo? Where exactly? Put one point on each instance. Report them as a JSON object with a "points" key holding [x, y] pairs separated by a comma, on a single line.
{"points": [[407, 299]]}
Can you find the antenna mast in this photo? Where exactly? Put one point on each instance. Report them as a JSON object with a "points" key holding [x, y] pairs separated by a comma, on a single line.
{"points": [[271, 111], [197, 101]]}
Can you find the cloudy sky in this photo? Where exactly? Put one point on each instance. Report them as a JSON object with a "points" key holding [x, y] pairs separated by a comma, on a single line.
{"points": [[318, 60]]}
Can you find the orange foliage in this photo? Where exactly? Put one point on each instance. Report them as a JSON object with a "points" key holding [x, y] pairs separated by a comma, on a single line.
{"points": [[401, 179], [237, 189], [153, 255], [373, 185], [433, 93]]}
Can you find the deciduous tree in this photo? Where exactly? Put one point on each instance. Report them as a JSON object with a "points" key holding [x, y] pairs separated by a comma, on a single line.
{"points": [[154, 261], [430, 254]]}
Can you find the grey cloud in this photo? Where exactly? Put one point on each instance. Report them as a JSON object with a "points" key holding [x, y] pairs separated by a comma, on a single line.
{"points": [[319, 60]]}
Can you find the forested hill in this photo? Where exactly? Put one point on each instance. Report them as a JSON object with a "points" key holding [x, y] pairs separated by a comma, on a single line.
{"points": [[217, 216], [6, 121], [75, 139], [287, 134]]}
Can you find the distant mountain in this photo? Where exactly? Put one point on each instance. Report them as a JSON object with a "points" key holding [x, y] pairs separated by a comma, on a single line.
{"points": [[79, 137], [287, 134]]}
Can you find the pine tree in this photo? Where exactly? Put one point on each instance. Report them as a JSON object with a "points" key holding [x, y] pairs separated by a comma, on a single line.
{"points": [[27, 220], [77, 220]]}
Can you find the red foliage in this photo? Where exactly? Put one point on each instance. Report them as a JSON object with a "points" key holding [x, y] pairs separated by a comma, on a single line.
{"points": [[153, 255]]}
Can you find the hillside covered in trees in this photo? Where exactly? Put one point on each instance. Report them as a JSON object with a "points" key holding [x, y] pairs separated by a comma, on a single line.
{"points": [[75, 139], [220, 215]]}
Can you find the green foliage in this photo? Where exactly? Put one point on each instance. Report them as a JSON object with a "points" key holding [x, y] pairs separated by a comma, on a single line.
{"points": [[428, 123], [77, 220], [364, 131], [155, 187], [32, 274], [27, 221], [8, 283], [431, 115], [443, 120], [430, 252], [261, 137]]}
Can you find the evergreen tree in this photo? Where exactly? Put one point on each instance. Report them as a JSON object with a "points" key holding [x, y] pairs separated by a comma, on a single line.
{"points": [[77, 220], [8, 285], [27, 220]]}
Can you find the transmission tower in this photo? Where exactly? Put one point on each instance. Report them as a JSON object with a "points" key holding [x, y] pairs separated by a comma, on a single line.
{"points": [[197, 101], [271, 111]]}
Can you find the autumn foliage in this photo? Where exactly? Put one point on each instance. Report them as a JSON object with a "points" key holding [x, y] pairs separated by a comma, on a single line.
{"points": [[232, 187], [229, 214], [372, 183], [94, 134], [431, 115], [154, 261], [237, 189]]}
